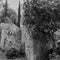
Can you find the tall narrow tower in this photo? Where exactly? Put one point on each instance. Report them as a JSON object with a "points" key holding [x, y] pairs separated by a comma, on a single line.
{"points": [[6, 6], [19, 15]]}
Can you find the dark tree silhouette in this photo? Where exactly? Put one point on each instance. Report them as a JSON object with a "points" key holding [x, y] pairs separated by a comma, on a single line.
{"points": [[6, 8], [19, 15]]}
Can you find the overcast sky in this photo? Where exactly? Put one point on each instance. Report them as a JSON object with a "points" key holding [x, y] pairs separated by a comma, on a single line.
{"points": [[13, 4]]}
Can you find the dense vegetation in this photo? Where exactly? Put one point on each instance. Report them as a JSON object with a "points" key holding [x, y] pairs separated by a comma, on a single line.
{"points": [[35, 12], [42, 18], [42, 15]]}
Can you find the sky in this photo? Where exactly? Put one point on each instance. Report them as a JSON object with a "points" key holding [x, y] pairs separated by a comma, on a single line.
{"points": [[13, 4]]}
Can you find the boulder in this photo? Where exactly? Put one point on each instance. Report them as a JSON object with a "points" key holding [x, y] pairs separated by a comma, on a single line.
{"points": [[9, 36]]}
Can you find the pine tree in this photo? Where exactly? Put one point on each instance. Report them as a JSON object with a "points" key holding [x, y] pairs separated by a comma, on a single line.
{"points": [[6, 6], [19, 15]]}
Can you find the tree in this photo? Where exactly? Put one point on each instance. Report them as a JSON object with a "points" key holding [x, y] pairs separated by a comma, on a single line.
{"points": [[6, 7], [19, 15], [10, 14], [43, 17]]}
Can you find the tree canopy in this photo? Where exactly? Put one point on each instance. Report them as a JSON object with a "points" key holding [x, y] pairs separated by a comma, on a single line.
{"points": [[41, 12]]}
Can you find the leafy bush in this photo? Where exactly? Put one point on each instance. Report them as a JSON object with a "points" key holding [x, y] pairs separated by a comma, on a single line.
{"points": [[11, 15]]}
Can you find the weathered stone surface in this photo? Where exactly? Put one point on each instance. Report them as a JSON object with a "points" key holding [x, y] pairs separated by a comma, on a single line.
{"points": [[10, 36]]}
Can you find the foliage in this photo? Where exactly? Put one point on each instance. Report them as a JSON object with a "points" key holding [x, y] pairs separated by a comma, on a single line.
{"points": [[42, 20], [41, 12], [13, 54], [11, 14], [43, 16]]}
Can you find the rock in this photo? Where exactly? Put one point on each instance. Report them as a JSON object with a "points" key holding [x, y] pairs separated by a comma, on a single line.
{"points": [[10, 36]]}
